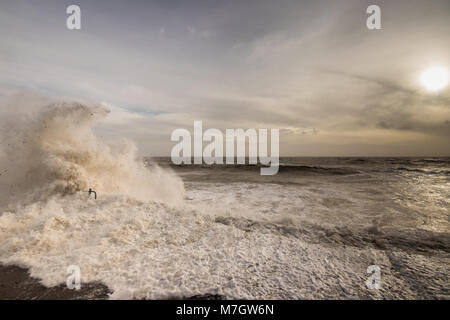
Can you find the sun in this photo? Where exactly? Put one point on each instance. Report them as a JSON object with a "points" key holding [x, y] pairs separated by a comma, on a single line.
{"points": [[434, 78]]}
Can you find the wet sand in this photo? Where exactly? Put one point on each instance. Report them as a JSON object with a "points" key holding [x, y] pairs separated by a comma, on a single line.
{"points": [[16, 284]]}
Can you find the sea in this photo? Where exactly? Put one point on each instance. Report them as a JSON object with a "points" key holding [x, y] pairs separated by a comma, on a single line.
{"points": [[322, 228]]}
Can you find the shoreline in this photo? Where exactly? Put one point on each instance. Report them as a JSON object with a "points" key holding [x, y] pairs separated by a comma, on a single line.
{"points": [[17, 284]]}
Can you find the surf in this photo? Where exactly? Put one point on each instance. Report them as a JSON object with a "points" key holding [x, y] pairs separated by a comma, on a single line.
{"points": [[57, 152]]}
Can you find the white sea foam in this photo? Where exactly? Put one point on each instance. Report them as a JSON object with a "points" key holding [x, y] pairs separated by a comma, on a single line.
{"points": [[157, 250], [152, 250]]}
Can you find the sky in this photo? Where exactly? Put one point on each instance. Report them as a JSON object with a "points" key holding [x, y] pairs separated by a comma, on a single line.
{"points": [[309, 68]]}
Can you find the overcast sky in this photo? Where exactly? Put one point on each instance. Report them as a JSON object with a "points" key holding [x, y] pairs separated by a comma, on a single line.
{"points": [[310, 68]]}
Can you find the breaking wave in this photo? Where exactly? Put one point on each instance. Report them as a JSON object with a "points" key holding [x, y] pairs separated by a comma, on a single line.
{"points": [[57, 152]]}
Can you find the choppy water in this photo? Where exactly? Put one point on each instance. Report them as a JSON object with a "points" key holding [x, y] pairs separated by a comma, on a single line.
{"points": [[331, 218], [355, 192]]}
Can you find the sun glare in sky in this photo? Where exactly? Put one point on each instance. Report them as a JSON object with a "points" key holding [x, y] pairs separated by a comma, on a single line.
{"points": [[435, 78]]}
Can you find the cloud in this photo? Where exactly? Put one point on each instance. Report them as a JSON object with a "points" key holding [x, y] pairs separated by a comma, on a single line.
{"points": [[120, 116], [304, 67]]}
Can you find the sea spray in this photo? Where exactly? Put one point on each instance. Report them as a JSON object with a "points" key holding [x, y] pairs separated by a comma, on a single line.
{"points": [[56, 152]]}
